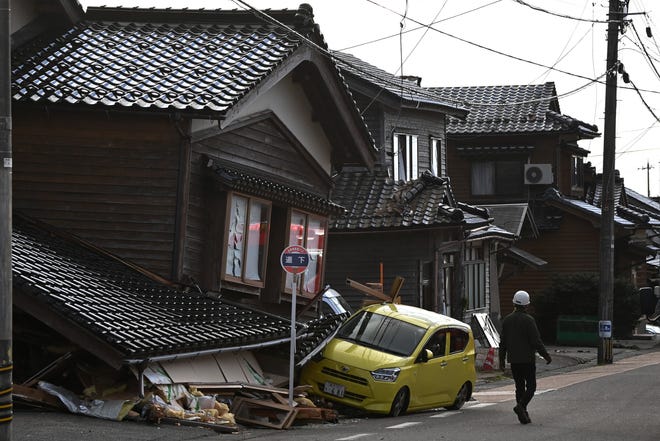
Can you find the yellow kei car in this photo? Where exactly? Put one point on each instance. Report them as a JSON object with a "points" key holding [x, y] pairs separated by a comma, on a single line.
{"points": [[390, 359]]}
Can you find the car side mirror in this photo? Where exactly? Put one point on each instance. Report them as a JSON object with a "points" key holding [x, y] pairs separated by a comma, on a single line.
{"points": [[425, 356]]}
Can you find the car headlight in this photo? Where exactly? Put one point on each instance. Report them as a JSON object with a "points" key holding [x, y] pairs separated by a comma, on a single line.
{"points": [[386, 374]]}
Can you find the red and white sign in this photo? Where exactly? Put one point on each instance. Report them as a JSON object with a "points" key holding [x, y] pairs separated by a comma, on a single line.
{"points": [[294, 259]]}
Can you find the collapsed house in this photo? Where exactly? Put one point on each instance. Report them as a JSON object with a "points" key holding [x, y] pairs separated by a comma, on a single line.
{"points": [[182, 151]]}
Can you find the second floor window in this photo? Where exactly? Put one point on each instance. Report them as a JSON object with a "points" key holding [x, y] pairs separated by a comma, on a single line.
{"points": [[497, 178], [309, 231], [577, 172], [405, 157], [438, 161], [247, 240]]}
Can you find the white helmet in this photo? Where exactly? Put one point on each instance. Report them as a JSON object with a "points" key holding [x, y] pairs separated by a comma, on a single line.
{"points": [[521, 298]]}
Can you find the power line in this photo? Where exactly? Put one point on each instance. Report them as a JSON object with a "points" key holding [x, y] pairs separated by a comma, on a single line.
{"points": [[570, 17], [499, 52], [387, 37], [419, 91], [650, 60]]}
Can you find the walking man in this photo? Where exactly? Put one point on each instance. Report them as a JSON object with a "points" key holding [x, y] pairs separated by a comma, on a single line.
{"points": [[519, 343]]}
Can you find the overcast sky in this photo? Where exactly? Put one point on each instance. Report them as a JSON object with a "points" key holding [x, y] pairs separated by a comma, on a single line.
{"points": [[502, 42]]}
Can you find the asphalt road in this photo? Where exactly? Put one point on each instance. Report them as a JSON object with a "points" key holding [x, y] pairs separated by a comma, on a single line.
{"points": [[611, 402]]}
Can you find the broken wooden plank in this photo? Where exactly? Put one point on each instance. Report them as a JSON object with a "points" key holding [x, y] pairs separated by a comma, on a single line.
{"points": [[56, 364], [366, 290], [36, 397], [316, 414], [223, 428], [263, 413]]}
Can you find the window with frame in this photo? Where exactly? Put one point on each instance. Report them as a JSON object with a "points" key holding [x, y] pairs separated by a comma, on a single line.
{"points": [[475, 276], [577, 172], [248, 229], [309, 231], [501, 178], [438, 157], [458, 340], [405, 156]]}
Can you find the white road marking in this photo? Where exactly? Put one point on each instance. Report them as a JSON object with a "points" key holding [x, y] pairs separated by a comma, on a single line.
{"points": [[478, 405], [507, 392], [538, 392], [446, 414], [359, 435], [403, 425]]}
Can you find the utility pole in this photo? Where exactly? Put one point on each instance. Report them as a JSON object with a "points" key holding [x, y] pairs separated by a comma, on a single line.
{"points": [[6, 357], [606, 295], [648, 177]]}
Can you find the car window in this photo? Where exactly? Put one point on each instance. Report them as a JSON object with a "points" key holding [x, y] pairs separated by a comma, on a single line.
{"points": [[437, 343], [458, 340], [383, 333]]}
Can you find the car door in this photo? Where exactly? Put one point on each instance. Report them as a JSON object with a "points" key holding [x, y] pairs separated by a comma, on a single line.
{"points": [[429, 386], [459, 360]]}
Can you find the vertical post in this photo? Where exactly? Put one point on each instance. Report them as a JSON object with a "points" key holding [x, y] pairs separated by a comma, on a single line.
{"points": [[6, 360], [606, 295], [292, 347], [648, 179]]}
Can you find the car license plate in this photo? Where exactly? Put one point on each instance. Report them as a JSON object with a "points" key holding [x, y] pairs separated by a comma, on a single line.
{"points": [[333, 389]]}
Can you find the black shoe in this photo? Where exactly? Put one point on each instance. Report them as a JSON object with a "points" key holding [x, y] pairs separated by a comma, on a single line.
{"points": [[522, 415]]}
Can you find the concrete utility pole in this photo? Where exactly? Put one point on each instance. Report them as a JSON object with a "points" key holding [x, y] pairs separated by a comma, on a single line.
{"points": [[606, 295], [6, 360], [648, 177]]}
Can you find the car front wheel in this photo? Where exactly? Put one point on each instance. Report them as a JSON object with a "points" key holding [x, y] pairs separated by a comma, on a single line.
{"points": [[461, 397], [400, 402]]}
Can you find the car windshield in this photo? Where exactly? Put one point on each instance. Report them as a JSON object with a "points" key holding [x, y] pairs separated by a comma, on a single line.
{"points": [[386, 334]]}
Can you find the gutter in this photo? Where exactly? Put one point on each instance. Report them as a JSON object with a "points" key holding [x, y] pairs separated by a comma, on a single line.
{"points": [[143, 363], [170, 357]]}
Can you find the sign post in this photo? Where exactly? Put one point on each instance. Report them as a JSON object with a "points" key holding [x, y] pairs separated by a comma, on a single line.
{"points": [[294, 260]]}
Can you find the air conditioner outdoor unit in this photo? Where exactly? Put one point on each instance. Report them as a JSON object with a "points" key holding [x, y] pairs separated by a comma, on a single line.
{"points": [[536, 174]]}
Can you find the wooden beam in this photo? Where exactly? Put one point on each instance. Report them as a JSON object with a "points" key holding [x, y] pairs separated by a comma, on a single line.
{"points": [[366, 290]]}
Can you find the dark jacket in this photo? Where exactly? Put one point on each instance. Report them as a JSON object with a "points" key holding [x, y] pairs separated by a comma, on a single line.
{"points": [[520, 339]]}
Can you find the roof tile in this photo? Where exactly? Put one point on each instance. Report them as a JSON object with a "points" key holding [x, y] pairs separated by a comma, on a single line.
{"points": [[504, 109]]}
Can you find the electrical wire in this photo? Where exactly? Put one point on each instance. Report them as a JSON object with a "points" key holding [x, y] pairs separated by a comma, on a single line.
{"points": [[570, 17], [648, 57], [417, 91], [563, 54], [387, 37], [641, 97], [480, 46]]}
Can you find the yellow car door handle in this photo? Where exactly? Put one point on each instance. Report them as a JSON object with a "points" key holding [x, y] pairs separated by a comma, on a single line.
{"points": [[443, 364]]}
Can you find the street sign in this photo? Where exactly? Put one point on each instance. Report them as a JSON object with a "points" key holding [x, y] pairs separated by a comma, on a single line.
{"points": [[294, 259], [605, 329]]}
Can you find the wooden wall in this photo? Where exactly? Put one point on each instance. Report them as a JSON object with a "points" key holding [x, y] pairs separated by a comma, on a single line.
{"points": [[262, 149], [402, 253], [110, 179], [574, 248], [546, 151]]}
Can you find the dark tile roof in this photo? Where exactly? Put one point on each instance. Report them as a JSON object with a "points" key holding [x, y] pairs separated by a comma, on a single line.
{"points": [[136, 315], [179, 60], [511, 109], [315, 336], [623, 217], [375, 201], [403, 89], [509, 217]]}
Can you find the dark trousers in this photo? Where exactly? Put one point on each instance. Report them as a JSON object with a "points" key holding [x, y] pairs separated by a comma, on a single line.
{"points": [[524, 374]]}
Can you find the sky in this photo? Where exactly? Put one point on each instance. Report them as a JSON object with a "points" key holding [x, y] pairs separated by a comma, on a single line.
{"points": [[503, 42]]}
